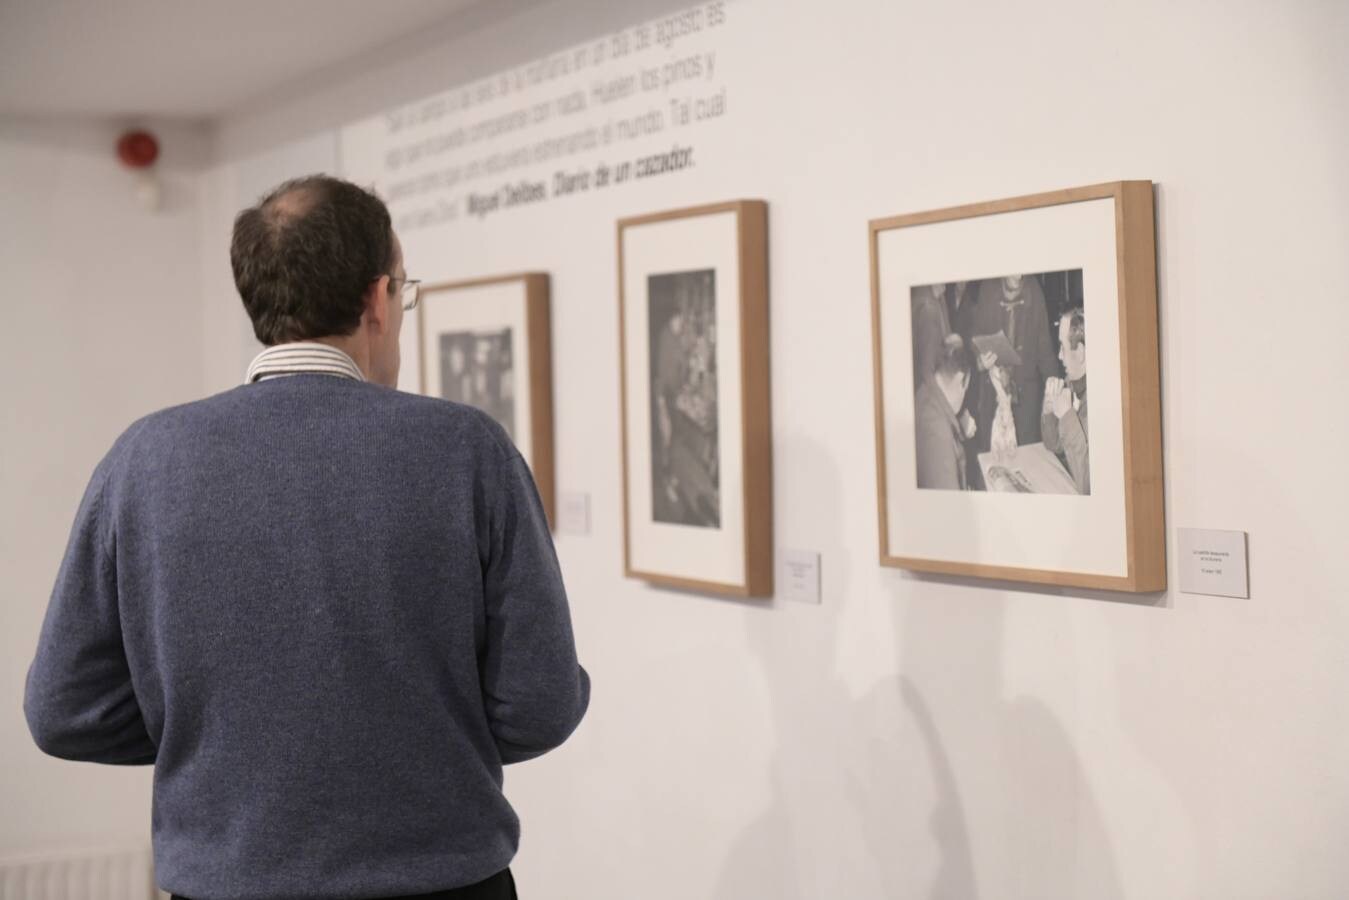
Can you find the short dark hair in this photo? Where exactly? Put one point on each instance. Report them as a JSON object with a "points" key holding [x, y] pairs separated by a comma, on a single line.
{"points": [[955, 358], [1077, 327], [304, 256]]}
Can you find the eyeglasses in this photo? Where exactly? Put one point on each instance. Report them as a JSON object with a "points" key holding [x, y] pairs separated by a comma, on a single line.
{"points": [[411, 292]]}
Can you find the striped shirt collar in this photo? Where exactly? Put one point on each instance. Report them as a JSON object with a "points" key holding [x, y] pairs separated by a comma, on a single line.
{"points": [[301, 358]]}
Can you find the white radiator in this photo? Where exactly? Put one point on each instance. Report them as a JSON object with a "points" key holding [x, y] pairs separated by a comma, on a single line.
{"points": [[125, 873]]}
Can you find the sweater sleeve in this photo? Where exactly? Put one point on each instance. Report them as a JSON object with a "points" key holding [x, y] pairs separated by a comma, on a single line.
{"points": [[79, 700], [534, 690]]}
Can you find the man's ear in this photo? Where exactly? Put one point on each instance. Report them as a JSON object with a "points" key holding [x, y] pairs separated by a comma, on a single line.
{"points": [[376, 303]]}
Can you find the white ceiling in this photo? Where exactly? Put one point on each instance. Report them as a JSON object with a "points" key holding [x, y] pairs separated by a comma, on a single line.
{"points": [[187, 58]]}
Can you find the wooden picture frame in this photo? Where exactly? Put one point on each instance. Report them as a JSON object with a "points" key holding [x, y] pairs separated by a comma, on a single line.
{"points": [[1106, 528], [697, 485], [476, 318]]}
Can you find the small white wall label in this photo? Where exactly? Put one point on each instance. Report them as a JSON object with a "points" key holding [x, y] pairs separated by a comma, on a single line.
{"points": [[573, 513], [799, 575], [1213, 562]]}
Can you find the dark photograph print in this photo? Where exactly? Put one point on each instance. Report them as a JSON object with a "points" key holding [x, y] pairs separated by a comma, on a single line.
{"points": [[1000, 381], [685, 480], [477, 368]]}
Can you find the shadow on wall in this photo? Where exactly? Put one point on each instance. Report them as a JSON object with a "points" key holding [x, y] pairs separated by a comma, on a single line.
{"points": [[1046, 829], [871, 796], [779, 855], [1011, 809], [955, 873]]}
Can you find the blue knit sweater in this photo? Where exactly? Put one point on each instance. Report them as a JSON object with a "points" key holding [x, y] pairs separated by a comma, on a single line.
{"points": [[327, 612]]}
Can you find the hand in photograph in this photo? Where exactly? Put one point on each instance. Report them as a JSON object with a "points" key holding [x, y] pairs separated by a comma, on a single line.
{"points": [[1053, 385], [1001, 380], [967, 424], [1003, 441], [1063, 400]]}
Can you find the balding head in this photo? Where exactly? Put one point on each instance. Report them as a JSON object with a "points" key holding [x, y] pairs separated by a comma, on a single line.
{"points": [[304, 256]]}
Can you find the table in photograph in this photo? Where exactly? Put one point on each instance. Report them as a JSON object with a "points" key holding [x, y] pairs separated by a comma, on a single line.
{"points": [[1031, 470]]}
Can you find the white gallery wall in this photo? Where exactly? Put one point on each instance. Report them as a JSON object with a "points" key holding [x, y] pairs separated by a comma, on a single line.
{"points": [[908, 737], [102, 316]]}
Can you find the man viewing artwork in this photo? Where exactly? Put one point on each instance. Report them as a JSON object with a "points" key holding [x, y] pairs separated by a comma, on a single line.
{"points": [[326, 611]]}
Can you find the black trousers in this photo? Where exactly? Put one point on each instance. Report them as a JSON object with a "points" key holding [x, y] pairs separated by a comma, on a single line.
{"points": [[500, 886]]}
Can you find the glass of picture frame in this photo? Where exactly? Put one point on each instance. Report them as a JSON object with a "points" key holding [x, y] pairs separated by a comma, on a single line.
{"points": [[486, 342], [988, 463], [695, 399]]}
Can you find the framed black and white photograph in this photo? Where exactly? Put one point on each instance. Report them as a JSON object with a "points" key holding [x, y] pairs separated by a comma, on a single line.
{"points": [[476, 367], [486, 343], [685, 462], [1000, 363], [994, 459], [697, 466]]}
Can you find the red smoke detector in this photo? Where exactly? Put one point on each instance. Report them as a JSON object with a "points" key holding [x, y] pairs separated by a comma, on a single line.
{"points": [[137, 149]]}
